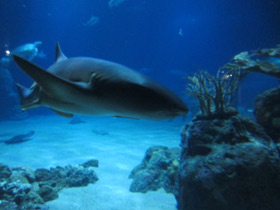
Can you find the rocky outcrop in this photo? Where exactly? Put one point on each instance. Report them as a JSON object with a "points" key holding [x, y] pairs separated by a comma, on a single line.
{"points": [[262, 60], [228, 163], [157, 170], [22, 188], [267, 112]]}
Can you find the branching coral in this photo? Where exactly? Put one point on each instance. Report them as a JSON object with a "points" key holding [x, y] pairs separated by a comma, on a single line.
{"points": [[213, 93]]}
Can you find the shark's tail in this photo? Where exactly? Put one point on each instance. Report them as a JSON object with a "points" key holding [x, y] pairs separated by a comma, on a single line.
{"points": [[29, 97]]}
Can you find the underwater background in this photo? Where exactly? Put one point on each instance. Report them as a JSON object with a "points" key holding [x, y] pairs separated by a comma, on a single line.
{"points": [[165, 40]]}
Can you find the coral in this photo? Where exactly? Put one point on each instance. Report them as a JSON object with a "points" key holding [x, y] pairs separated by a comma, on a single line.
{"points": [[267, 112], [22, 188], [227, 164], [158, 169], [213, 93], [5, 172], [90, 163], [264, 61]]}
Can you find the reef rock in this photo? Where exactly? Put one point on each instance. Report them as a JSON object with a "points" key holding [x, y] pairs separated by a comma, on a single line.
{"points": [[5, 172], [90, 163], [228, 163], [264, 61], [158, 169], [267, 112], [25, 189]]}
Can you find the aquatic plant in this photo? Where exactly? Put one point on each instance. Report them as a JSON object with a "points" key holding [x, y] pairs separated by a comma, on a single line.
{"points": [[213, 93]]}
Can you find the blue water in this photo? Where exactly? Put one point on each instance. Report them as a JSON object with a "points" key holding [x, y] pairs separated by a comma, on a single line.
{"points": [[166, 40], [143, 34]]}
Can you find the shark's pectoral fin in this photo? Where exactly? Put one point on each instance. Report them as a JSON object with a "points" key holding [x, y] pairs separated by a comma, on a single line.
{"points": [[52, 85], [63, 114], [92, 79], [88, 85]]}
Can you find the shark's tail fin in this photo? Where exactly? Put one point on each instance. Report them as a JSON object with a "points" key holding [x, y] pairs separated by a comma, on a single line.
{"points": [[29, 97]]}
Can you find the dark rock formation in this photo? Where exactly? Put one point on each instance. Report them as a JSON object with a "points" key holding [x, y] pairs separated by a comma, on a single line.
{"points": [[261, 60], [43, 174], [158, 169], [5, 172], [25, 189], [90, 163], [267, 112], [227, 164], [5, 205], [9, 98], [47, 192]]}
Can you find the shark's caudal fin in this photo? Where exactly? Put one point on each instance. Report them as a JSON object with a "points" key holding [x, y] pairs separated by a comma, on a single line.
{"points": [[29, 98], [51, 85], [59, 56]]}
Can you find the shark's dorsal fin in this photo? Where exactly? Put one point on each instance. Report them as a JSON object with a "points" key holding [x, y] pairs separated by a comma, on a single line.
{"points": [[59, 56], [63, 114]]}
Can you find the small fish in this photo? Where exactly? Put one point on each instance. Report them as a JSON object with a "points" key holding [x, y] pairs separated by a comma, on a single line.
{"points": [[250, 110], [180, 32], [76, 120], [92, 21], [19, 138], [115, 3], [100, 132]]}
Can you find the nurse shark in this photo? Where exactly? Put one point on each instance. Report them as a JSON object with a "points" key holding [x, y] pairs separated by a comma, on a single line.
{"points": [[90, 86]]}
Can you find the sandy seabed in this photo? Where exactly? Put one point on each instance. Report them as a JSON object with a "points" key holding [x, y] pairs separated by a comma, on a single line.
{"points": [[118, 144]]}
